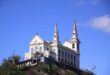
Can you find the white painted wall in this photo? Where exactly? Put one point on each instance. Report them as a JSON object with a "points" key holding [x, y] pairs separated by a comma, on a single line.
{"points": [[41, 46]]}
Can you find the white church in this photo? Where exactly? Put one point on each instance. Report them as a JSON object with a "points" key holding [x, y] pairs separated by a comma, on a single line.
{"points": [[67, 53]]}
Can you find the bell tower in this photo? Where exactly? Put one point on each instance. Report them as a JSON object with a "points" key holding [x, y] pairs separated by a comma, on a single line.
{"points": [[56, 35], [74, 40], [55, 43]]}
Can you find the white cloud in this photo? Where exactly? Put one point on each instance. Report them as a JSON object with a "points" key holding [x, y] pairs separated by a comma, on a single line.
{"points": [[102, 23]]}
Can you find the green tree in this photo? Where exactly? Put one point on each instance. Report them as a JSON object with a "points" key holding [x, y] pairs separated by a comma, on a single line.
{"points": [[14, 59], [55, 68], [8, 68]]}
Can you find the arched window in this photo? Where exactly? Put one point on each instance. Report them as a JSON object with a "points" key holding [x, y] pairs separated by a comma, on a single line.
{"points": [[71, 57], [74, 58], [73, 45], [74, 61], [68, 55], [62, 53], [77, 46], [65, 55], [59, 52]]}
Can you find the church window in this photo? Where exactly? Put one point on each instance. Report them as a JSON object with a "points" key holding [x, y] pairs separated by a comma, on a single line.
{"points": [[62, 59], [65, 61], [71, 56], [74, 64], [77, 46], [73, 45], [62, 53], [59, 58], [68, 55], [74, 59], [65, 54], [71, 63], [59, 52], [47, 48]]}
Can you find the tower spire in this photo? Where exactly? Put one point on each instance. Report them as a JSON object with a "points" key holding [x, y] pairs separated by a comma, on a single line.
{"points": [[74, 33], [75, 41], [56, 35]]}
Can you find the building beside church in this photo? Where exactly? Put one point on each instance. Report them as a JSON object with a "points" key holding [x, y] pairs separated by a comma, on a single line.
{"points": [[67, 53]]}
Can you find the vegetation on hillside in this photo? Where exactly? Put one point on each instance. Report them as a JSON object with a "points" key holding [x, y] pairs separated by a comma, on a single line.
{"points": [[8, 67], [56, 70]]}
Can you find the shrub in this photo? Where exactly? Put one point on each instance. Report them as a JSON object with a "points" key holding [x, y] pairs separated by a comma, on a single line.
{"points": [[44, 67], [87, 72], [54, 68], [68, 72]]}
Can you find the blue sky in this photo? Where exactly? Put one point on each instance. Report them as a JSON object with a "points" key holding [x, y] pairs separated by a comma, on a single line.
{"points": [[20, 20]]}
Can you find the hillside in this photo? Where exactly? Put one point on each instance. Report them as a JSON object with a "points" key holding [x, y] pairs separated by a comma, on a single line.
{"points": [[8, 68], [44, 69]]}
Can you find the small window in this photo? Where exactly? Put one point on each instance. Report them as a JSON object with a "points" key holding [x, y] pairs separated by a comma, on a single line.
{"points": [[58, 58], [71, 63], [62, 59], [77, 46], [65, 61], [68, 55], [71, 56], [65, 54], [62, 53], [74, 65], [73, 45], [59, 52], [47, 48], [74, 58]]}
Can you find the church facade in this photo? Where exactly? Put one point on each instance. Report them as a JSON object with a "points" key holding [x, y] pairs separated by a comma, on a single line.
{"points": [[67, 53]]}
